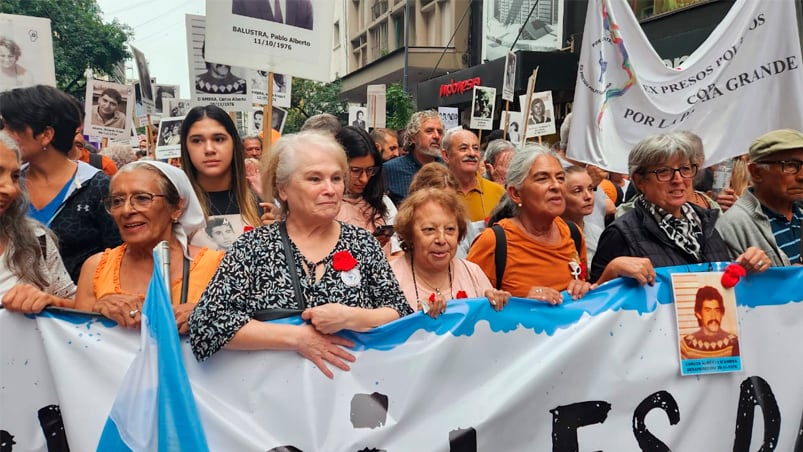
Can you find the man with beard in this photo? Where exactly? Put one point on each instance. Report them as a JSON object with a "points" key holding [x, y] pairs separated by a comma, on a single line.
{"points": [[422, 138], [710, 341], [386, 142], [461, 152]]}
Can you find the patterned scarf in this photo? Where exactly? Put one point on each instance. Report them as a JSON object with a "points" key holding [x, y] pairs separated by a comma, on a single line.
{"points": [[685, 232]]}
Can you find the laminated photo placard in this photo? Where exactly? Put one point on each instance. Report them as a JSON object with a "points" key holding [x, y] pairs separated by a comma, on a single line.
{"points": [[482, 108], [26, 52], [108, 109]]}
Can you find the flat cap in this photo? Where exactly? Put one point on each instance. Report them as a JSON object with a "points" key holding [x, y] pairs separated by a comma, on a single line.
{"points": [[775, 141]]}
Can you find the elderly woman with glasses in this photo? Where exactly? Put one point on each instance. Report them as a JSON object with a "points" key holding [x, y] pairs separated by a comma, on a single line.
{"points": [[151, 202], [664, 228]]}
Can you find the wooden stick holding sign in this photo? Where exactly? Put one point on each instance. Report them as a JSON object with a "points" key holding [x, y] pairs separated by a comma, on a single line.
{"points": [[507, 118], [267, 115], [149, 137], [526, 112]]}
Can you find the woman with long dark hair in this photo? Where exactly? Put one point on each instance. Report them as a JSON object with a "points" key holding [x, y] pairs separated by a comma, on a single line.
{"points": [[212, 156], [365, 204], [66, 195]]}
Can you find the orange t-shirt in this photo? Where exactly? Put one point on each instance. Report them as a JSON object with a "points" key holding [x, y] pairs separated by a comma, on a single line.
{"points": [[609, 189], [529, 263], [202, 268], [107, 165]]}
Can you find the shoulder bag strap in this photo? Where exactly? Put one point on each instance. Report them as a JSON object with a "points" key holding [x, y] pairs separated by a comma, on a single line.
{"points": [[575, 232], [185, 280], [500, 254], [291, 265]]}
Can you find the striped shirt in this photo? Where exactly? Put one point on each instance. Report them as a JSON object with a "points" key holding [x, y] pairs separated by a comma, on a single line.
{"points": [[787, 233]]}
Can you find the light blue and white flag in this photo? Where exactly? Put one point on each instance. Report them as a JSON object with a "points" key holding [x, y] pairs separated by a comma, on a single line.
{"points": [[154, 409]]}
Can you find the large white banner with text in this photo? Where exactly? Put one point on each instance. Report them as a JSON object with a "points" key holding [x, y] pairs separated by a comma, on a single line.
{"points": [[742, 82], [600, 373]]}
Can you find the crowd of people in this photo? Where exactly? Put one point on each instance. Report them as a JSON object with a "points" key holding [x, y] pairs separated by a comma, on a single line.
{"points": [[351, 230]]}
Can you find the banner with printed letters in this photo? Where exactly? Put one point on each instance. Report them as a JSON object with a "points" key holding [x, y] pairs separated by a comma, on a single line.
{"points": [[742, 82], [600, 373]]}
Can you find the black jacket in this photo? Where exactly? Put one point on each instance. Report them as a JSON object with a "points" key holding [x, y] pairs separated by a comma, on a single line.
{"points": [[637, 234]]}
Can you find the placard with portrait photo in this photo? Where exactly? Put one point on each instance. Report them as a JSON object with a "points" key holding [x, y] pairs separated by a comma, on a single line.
{"points": [[450, 117], [108, 109], [540, 114], [513, 121], [162, 93], [509, 80], [145, 82], [26, 52], [482, 108], [291, 37], [708, 326], [168, 141], [213, 83], [177, 107], [357, 117], [277, 119], [258, 88]]}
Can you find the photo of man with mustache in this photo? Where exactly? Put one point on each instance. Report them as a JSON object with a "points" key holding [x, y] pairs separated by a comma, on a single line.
{"points": [[710, 341]]}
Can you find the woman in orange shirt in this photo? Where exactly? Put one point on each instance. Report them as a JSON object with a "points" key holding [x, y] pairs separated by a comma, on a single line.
{"points": [[542, 258], [151, 202]]}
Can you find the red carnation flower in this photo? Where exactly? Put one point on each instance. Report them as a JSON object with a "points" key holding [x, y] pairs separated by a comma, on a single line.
{"points": [[343, 261], [583, 272], [247, 228], [461, 294], [432, 297]]}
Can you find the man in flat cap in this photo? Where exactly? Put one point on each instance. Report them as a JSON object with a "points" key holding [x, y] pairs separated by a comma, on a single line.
{"points": [[769, 214]]}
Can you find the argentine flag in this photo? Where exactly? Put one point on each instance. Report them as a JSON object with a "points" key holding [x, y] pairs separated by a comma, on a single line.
{"points": [[154, 409]]}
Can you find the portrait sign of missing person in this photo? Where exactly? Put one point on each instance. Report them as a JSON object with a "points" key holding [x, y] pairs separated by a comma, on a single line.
{"points": [[26, 52], [168, 140], [357, 116], [145, 82], [291, 37], [513, 121], [108, 109], [213, 83], [708, 327], [509, 81], [540, 114], [482, 108], [258, 88], [162, 93], [277, 119]]}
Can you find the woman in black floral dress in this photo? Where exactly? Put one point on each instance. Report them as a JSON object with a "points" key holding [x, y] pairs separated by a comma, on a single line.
{"points": [[345, 281]]}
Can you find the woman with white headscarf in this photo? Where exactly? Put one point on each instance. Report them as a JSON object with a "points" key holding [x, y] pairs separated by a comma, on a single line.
{"points": [[150, 201]]}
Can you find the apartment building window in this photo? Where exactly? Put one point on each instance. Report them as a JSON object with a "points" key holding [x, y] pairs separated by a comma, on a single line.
{"points": [[336, 35]]}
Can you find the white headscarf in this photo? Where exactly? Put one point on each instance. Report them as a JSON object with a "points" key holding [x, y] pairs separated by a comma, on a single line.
{"points": [[192, 216]]}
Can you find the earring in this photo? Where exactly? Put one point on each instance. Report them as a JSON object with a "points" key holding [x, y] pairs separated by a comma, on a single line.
{"points": [[175, 220], [518, 205]]}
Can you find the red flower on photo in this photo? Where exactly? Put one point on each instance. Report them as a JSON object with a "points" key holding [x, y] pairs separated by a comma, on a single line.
{"points": [[461, 294], [343, 261]]}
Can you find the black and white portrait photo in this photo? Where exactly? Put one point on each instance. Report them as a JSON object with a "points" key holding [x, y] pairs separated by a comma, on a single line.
{"points": [[108, 109], [509, 81], [295, 13], [146, 89], [482, 108], [164, 92], [26, 52]]}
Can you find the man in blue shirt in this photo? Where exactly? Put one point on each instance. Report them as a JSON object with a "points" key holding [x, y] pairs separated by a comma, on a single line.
{"points": [[422, 139], [769, 214]]}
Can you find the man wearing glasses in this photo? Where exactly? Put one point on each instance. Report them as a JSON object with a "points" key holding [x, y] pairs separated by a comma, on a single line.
{"points": [[769, 213]]}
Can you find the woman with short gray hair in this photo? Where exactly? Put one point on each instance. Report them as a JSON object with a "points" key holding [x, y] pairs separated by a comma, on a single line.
{"points": [[664, 228]]}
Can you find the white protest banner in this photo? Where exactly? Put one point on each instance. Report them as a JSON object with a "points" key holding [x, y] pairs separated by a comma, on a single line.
{"points": [[742, 82], [482, 108], [260, 35], [26, 44], [211, 81], [376, 106], [599, 373], [108, 108], [449, 117]]}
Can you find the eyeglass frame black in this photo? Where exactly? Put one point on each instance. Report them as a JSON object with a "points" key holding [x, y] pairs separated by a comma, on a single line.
{"points": [[108, 199], [353, 170], [693, 167], [784, 163]]}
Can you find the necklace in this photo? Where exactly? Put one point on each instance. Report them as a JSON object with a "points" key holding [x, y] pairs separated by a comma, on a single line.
{"points": [[437, 289]]}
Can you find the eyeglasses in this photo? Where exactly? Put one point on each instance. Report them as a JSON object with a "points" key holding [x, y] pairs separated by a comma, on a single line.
{"points": [[667, 174], [787, 166], [139, 201], [356, 171]]}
